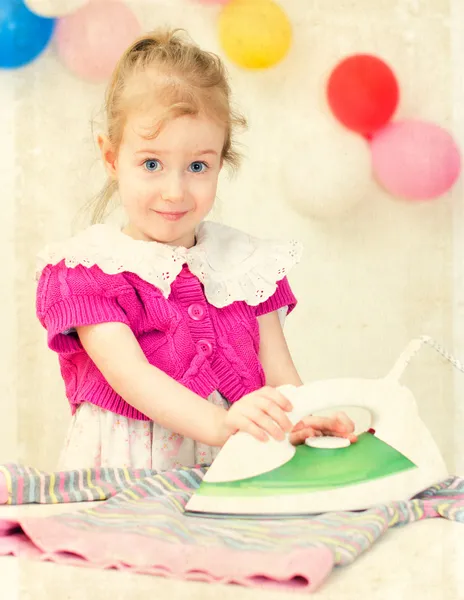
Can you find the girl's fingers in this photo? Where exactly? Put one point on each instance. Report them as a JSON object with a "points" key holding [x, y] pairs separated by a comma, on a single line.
{"points": [[347, 427], [302, 426], [265, 422], [300, 436], [257, 432], [253, 429], [298, 427], [345, 421], [323, 424], [338, 425], [277, 398], [276, 413], [266, 417]]}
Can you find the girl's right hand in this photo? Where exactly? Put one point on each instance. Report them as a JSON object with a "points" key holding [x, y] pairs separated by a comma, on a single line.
{"points": [[261, 413]]}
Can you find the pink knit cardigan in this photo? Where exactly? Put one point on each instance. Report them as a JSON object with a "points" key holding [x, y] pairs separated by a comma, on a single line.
{"points": [[202, 347]]}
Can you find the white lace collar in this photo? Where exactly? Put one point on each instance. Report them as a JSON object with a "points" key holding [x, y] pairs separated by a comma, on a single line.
{"points": [[231, 264]]}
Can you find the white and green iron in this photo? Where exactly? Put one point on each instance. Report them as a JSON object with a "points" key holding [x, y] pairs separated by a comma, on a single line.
{"points": [[394, 458]]}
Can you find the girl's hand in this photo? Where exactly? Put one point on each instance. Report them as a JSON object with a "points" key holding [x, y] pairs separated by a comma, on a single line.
{"points": [[339, 425], [261, 413]]}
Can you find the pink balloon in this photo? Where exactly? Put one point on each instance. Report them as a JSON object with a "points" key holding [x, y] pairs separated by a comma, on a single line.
{"points": [[415, 160], [91, 40]]}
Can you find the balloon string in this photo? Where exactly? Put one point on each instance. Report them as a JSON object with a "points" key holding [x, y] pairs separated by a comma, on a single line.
{"points": [[413, 348]]}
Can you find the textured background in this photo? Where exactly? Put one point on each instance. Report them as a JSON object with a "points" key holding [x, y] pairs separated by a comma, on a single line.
{"points": [[369, 281]]}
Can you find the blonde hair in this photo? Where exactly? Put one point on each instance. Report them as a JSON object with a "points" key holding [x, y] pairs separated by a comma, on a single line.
{"points": [[165, 66]]}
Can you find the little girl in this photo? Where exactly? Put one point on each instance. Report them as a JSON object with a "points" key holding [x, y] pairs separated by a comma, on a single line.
{"points": [[168, 331]]}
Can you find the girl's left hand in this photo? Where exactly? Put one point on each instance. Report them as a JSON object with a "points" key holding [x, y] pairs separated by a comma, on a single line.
{"points": [[339, 425]]}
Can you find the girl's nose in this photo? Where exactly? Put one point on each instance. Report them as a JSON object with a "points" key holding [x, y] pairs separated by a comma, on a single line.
{"points": [[173, 188]]}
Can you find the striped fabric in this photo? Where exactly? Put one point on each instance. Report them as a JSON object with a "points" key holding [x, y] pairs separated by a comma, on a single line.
{"points": [[27, 485], [142, 527]]}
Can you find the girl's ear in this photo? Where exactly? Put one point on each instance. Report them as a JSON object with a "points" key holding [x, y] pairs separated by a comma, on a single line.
{"points": [[108, 155]]}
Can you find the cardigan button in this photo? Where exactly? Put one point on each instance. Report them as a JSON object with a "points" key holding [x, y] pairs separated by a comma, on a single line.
{"points": [[196, 312], [204, 347]]}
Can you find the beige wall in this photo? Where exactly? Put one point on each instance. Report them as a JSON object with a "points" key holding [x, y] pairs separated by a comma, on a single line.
{"points": [[369, 281]]}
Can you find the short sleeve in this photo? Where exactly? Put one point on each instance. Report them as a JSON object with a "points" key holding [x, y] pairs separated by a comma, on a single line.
{"points": [[283, 297], [73, 297]]}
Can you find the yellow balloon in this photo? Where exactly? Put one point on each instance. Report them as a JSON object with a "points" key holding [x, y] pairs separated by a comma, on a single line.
{"points": [[255, 34]]}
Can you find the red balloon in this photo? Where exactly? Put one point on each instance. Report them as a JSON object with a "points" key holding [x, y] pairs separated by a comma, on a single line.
{"points": [[363, 93]]}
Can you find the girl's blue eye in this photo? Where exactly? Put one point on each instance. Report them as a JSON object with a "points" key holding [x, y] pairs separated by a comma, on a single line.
{"points": [[151, 165], [198, 167]]}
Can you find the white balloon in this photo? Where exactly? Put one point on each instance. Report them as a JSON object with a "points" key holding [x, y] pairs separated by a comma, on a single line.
{"points": [[54, 8], [328, 171]]}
